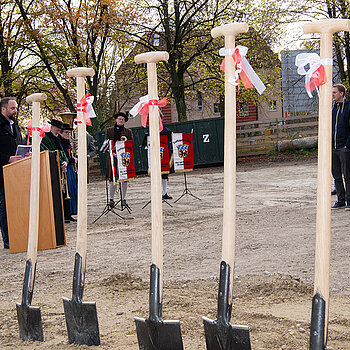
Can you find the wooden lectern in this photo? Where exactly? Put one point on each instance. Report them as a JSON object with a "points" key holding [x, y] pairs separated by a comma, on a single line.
{"points": [[17, 194]]}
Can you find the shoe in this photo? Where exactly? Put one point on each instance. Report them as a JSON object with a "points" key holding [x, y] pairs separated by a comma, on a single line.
{"points": [[124, 204], [111, 203], [72, 219], [334, 192], [347, 207], [166, 196], [6, 246], [338, 205]]}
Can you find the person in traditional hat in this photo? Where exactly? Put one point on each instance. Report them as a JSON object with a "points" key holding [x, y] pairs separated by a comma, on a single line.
{"points": [[117, 133], [51, 142], [71, 194]]}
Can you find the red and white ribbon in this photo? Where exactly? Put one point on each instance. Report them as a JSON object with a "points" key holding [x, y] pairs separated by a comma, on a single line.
{"points": [[112, 161], [315, 76], [243, 69], [41, 130], [142, 108], [85, 106]]}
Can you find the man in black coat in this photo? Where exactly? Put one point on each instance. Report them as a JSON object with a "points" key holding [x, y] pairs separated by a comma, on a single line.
{"points": [[10, 137], [341, 146]]}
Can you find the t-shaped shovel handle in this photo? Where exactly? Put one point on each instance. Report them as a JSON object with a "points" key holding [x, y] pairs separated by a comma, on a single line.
{"points": [[326, 28], [151, 58], [34, 100], [81, 73], [229, 31]]}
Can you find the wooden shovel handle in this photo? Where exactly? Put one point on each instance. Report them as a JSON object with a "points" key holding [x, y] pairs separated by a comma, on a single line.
{"points": [[323, 216], [229, 213], [80, 73], [156, 183], [151, 57], [34, 184], [231, 29], [327, 26]]}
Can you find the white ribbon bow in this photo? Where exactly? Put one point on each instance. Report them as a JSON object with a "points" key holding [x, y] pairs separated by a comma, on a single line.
{"points": [[255, 80], [90, 108], [135, 110], [314, 61]]}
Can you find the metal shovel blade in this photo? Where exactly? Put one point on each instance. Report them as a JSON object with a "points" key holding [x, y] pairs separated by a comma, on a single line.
{"points": [[82, 322], [29, 321], [158, 335], [221, 336], [29, 317]]}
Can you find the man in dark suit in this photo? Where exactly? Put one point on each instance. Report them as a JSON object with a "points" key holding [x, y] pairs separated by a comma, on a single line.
{"points": [[10, 138], [118, 132]]}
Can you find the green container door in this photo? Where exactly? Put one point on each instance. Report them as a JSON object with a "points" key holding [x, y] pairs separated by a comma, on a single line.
{"points": [[207, 143]]}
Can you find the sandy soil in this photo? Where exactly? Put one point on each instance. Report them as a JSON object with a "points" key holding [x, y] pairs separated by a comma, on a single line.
{"points": [[276, 213]]}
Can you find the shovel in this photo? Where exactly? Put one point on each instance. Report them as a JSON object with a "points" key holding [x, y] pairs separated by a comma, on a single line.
{"points": [[154, 333], [320, 300], [81, 318], [29, 317], [220, 334]]}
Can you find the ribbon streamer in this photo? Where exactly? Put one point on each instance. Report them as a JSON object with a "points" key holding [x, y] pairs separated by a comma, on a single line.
{"points": [[243, 69], [42, 130], [112, 160], [85, 106], [142, 108], [315, 76]]}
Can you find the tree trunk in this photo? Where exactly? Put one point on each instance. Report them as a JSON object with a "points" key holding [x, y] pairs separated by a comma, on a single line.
{"points": [[6, 70]]}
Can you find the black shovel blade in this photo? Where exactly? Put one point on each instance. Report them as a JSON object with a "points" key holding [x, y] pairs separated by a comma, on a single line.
{"points": [[82, 322], [29, 321], [221, 336], [158, 335]]}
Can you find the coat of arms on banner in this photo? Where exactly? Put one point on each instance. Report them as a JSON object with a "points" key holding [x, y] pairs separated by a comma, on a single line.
{"points": [[182, 150], [125, 158]]}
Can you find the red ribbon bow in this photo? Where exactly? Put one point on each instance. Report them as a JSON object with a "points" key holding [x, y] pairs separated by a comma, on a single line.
{"points": [[144, 111], [82, 107], [31, 129]]}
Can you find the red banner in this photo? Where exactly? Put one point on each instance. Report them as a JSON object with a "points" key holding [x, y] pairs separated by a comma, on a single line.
{"points": [[125, 156], [164, 154], [182, 151]]}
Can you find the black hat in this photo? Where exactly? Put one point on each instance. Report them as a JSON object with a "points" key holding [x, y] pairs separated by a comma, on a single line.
{"points": [[122, 115], [56, 123], [66, 127]]}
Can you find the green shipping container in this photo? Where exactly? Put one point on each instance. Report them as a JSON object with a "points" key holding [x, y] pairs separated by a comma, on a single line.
{"points": [[208, 143]]}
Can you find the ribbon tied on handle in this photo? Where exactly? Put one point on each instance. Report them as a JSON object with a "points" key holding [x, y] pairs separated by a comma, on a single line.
{"points": [[315, 76], [85, 106], [42, 130], [142, 108], [243, 69]]}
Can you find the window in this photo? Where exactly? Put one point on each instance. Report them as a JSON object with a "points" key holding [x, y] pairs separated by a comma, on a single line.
{"points": [[273, 106], [156, 40], [243, 109], [217, 107], [200, 101]]}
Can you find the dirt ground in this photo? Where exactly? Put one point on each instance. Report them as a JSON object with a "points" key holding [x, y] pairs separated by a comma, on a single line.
{"points": [[275, 234]]}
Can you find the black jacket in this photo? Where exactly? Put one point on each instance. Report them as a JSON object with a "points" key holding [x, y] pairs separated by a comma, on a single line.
{"points": [[340, 125], [8, 143]]}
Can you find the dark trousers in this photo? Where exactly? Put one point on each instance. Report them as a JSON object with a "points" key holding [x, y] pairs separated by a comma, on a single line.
{"points": [[340, 169], [3, 218]]}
